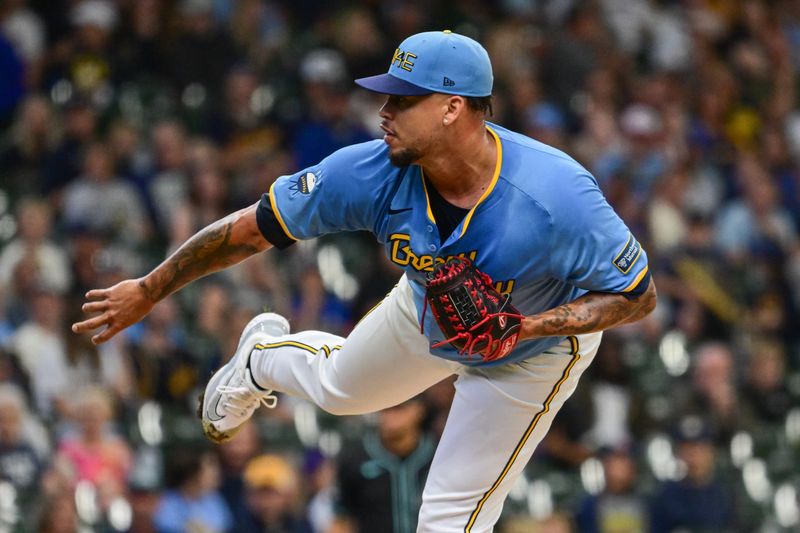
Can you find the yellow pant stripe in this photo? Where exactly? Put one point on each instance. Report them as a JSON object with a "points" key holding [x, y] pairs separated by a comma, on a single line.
{"points": [[575, 358], [281, 344], [325, 348]]}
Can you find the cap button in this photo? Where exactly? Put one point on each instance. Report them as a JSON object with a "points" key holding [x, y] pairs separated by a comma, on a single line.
{"points": [[447, 31]]}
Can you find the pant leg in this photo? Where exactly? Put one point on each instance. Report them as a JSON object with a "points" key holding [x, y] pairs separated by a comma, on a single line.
{"points": [[384, 361], [498, 417]]}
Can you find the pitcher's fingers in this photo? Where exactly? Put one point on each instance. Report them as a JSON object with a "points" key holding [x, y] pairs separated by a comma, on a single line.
{"points": [[95, 307], [96, 294], [90, 324], [106, 334]]}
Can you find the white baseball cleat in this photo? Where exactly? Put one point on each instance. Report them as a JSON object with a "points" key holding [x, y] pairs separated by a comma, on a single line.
{"points": [[231, 395]]}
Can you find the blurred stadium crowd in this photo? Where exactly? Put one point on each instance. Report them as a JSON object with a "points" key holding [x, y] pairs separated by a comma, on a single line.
{"points": [[127, 125]]}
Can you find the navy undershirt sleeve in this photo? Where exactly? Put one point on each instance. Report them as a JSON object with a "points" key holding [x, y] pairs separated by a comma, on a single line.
{"points": [[640, 289], [270, 227]]}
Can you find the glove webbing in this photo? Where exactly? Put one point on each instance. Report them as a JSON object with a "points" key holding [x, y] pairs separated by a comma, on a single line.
{"points": [[445, 274], [469, 310]]}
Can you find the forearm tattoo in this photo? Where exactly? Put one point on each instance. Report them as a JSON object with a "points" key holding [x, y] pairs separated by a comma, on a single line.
{"points": [[592, 312], [207, 251]]}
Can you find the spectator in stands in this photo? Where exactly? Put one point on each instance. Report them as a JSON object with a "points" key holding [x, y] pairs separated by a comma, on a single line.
{"points": [[259, 30], [20, 465], [163, 368], [144, 501], [706, 300], [714, 395], [63, 164], [616, 404], [40, 346], [233, 458], [315, 305], [700, 501], [94, 452], [100, 200], [106, 365], [319, 474], [765, 389], [620, 507], [329, 124], [239, 116], [130, 155], [32, 137], [192, 501], [372, 496], [208, 336], [202, 52], [644, 161], [756, 223], [168, 187], [546, 123], [273, 497], [26, 33], [209, 190], [140, 55], [85, 56], [34, 246]]}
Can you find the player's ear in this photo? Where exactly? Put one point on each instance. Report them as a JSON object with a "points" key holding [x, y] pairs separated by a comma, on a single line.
{"points": [[454, 107]]}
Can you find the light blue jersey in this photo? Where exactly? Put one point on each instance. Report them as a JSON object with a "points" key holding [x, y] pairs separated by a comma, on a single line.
{"points": [[542, 230]]}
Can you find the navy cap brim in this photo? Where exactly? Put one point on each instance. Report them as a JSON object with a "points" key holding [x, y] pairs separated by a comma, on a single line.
{"points": [[388, 84]]}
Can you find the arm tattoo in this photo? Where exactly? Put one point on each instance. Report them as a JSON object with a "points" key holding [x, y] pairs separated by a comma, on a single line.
{"points": [[592, 312], [207, 251]]}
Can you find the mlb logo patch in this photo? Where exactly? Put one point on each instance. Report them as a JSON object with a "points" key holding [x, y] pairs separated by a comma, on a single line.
{"points": [[627, 257]]}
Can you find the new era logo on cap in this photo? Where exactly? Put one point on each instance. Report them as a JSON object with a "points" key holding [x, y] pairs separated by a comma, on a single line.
{"points": [[435, 62]]}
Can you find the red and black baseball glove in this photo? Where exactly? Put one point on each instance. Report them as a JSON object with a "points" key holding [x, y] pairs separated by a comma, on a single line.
{"points": [[475, 318]]}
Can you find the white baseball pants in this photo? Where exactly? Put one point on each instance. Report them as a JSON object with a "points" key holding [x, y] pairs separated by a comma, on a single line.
{"points": [[498, 417]]}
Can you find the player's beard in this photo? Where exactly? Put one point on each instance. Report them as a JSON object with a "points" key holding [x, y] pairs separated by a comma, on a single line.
{"points": [[404, 156]]}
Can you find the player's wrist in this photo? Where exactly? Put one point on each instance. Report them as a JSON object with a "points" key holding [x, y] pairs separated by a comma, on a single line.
{"points": [[527, 329], [148, 289], [544, 325]]}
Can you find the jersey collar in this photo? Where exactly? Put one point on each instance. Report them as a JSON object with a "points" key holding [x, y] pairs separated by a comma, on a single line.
{"points": [[486, 193]]}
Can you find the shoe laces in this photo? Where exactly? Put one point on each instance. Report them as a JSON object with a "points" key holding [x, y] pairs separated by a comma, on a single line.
{"points": [[240, 399]]}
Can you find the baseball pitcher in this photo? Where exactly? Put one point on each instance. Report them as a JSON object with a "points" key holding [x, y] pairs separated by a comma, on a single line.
{"points": [[514, 264]]}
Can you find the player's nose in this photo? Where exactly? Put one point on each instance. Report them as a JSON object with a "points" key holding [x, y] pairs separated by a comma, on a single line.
{"points": [[387, 109]]}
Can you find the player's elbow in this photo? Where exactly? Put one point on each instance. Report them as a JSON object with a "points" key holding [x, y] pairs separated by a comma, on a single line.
{"points": [[648, 300]]}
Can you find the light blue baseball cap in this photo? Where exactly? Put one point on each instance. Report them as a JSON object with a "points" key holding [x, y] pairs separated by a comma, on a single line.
{"points": [[435, 62]]}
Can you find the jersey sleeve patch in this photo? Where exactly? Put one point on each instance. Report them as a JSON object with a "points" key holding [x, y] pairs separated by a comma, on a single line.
{"points": [[628, 256], [304, 184]]}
